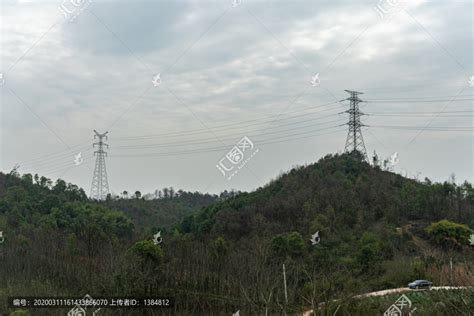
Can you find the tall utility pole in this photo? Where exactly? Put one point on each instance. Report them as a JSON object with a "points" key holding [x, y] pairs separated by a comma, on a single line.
{"points": [[451, 271], [100, 185], [355, 141], [284, 285]]}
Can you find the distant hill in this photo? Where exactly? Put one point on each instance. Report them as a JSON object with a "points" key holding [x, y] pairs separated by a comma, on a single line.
{"points": [[40, 196], [161, 213]]}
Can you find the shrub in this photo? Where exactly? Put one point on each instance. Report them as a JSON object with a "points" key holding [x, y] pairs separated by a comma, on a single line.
{"points": [[448, 234]]}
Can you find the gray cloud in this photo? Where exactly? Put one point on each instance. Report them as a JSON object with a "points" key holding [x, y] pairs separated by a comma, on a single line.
{"points": [[80, 76]]}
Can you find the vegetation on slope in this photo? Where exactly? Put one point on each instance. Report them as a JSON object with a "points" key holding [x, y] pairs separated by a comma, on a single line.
{"points": [[376, 230]]}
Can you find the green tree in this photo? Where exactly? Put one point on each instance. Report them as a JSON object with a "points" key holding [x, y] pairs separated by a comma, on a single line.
{"points": [[219, 248], [369, 255], [291, 244], [296, 244], [279, 245], [447, 234], [147, 252], [142, 275]]}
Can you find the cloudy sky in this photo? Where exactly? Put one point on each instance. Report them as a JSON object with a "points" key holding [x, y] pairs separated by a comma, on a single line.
{"points": [[227, 70]]}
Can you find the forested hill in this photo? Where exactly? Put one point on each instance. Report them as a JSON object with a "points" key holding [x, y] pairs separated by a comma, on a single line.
{"points": [[220, 254], [35, 200], [377, 230], [335, 195], [163, 212]]}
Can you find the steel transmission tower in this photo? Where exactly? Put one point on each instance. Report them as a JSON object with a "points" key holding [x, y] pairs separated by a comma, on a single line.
{"points": [[100, 185], [355, 141]]}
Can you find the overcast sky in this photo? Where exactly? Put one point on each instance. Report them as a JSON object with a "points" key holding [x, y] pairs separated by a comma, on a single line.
{"points": [[229, 70]]}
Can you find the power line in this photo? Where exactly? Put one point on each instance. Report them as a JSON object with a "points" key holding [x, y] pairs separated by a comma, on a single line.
{"points": [[65, 166], [212, 140], [410, 112], [426, 97], [237, 124], [443, 128], [420, 115], [53, 163], [53, 158], [220, 148], [72, 149], [415, 101]]}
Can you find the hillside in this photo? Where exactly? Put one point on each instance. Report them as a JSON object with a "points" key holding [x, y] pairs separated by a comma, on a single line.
{"points": [[337, 193], [372, 224], [163, 213], [376, 232], [33, 198]]}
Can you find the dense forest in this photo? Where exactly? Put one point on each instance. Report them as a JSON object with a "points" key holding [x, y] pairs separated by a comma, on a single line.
{"points": [[225, 253]]}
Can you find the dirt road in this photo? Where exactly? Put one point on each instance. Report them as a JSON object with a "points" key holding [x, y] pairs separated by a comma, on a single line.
{"points": [[395, 291]]}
